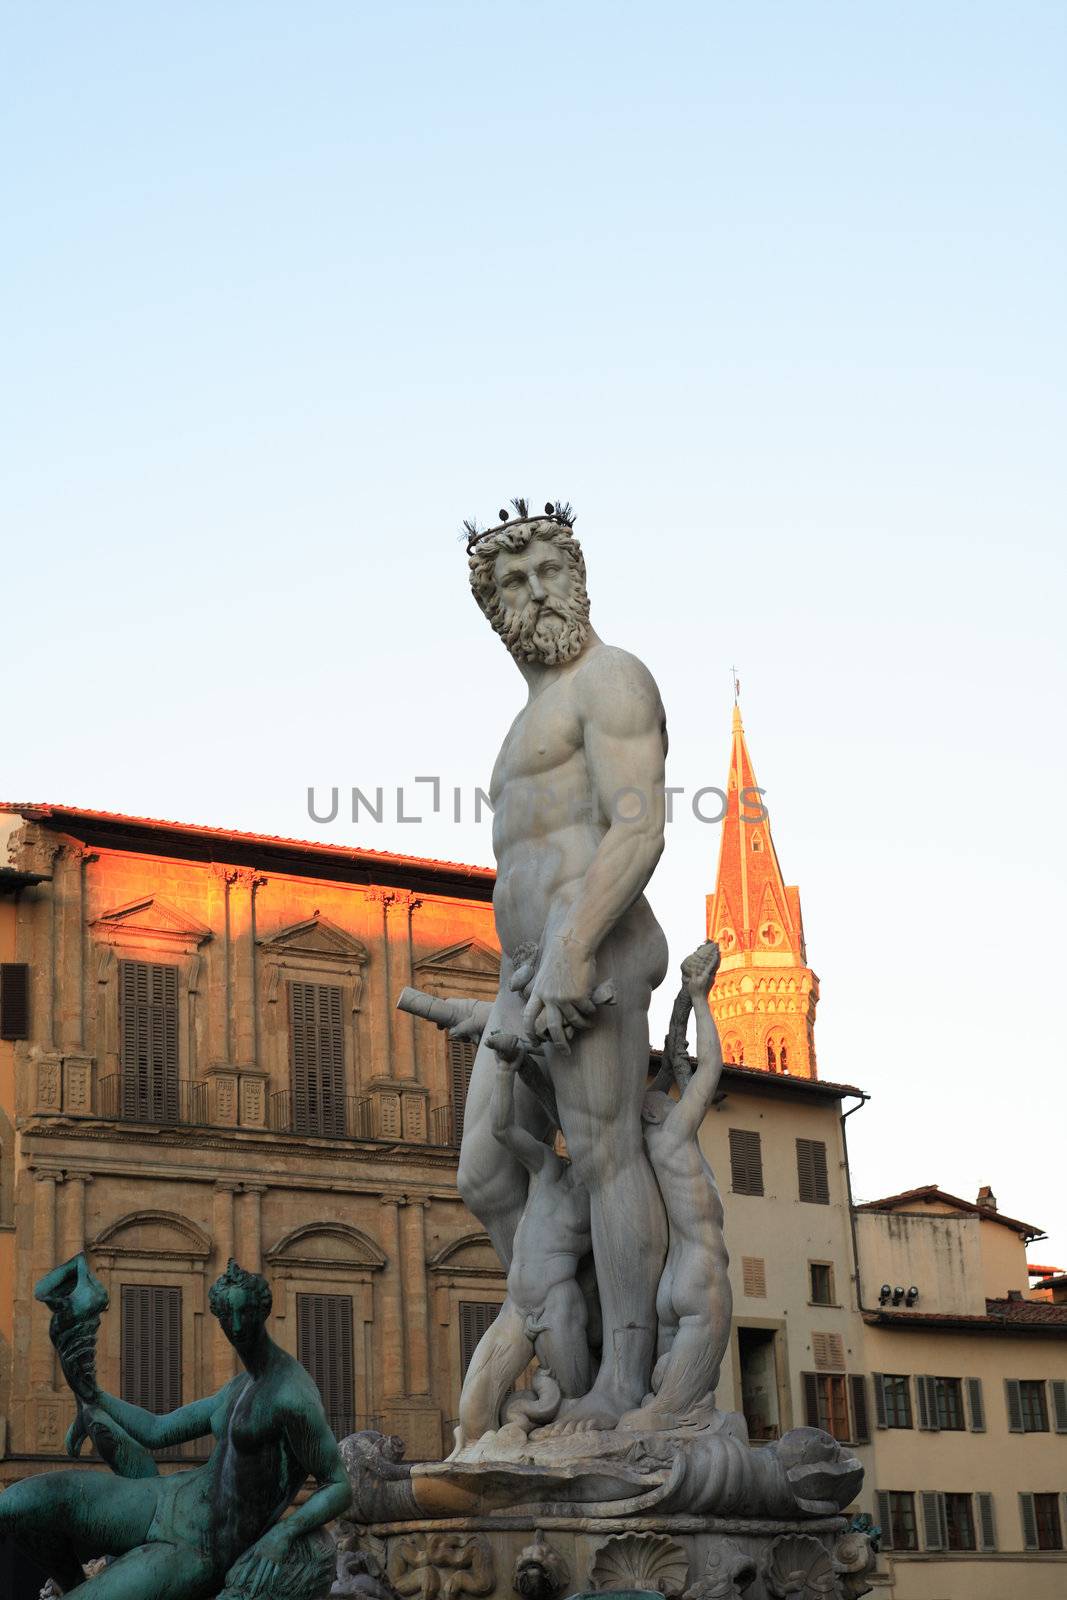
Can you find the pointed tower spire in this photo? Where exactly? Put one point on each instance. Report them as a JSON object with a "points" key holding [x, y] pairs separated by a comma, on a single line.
{"points": [[765, 996]]}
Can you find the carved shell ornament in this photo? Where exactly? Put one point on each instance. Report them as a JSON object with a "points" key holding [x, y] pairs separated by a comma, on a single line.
{"points": [[800, 1566], [649, 1561]]}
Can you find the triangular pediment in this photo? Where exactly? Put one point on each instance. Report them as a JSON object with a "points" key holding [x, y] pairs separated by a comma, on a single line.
{"points": [[316, 936], [469, 956], [151, 918]]}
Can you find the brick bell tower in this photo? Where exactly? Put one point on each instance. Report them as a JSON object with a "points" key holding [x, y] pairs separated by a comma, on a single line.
{"points": [[765, 995]]}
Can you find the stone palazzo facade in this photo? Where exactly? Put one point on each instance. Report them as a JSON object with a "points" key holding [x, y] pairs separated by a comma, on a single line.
{"points": [[211, 1065]]}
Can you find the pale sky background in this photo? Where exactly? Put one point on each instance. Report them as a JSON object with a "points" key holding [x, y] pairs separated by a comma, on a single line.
{"points": [[774, 293]]}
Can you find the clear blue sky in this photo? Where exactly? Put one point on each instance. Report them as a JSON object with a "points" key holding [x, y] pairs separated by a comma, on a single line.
{"points": [[773, 292]]}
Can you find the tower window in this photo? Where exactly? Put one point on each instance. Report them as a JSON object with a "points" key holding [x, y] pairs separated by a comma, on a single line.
{"points": [[757, 843]]}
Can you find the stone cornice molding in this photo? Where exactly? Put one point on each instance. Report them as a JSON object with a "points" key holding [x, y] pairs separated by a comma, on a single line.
{"points": [[108, 1240], [362, 1253]]}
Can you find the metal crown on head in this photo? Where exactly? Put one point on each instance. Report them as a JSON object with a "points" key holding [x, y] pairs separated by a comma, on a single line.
{"points": [[555, 511]]}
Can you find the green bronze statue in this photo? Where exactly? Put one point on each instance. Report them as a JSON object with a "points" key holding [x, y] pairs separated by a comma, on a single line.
{"points": [[187, 1535]]}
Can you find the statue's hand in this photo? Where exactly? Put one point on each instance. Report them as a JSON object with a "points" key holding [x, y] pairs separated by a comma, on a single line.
{"points": [[470, 1028], [259, 1569], [699, 969], [560, 994]]}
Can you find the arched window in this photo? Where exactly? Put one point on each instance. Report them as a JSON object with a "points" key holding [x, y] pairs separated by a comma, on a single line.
{"points": [[733, 1051], [777, 1051]]}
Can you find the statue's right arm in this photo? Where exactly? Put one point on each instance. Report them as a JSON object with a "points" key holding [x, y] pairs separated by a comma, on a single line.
{"points": [[522, 1144], [158, 1432]]}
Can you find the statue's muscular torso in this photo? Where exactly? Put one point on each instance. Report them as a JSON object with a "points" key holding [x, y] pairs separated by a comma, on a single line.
{"points": [[547, 818]]}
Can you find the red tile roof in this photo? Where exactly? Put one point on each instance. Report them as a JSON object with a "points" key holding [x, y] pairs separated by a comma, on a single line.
{"points": [[46, 811], [1014, 1317], [930, 1192], [1027, 1311]]}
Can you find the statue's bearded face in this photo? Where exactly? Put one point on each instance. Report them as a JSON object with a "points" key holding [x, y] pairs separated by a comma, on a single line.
{"points": [[530, 582]]}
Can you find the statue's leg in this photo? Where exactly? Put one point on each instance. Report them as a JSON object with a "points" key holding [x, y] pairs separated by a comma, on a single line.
{"points": [[500, 1355], [62, 1519], [690, 1373], [491, 1182], [599, 1087], [561, 1345], [157, 1571]]}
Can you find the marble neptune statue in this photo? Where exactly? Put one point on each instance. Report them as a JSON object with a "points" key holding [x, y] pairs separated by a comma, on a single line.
{"points": [[578, 818]]}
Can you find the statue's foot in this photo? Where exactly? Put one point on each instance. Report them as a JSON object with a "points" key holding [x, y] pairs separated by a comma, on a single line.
{"points": [[648, 1419], [596, 1412]]}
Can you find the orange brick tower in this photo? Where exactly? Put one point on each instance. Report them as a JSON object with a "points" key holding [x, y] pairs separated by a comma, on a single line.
{"points": [[765, 995]]}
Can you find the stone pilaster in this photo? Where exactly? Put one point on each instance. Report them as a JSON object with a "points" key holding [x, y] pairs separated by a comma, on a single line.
{"points": [[42, 1356], [416, 1307], [74, 1215], [394, 1374], [250, 1253], [223, 1356]]}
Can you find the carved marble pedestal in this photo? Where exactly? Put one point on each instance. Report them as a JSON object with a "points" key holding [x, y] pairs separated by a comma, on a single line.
{"points": [[680, 1557]]}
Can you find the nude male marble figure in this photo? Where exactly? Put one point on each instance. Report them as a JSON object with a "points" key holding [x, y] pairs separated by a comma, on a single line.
{"points": [[694, 1302], [544, 1312], [578, 814]]}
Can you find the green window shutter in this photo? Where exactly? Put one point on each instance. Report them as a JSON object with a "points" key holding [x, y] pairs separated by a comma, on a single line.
{"points": [[813, 1183], [324, 1346], [14, 1000], [880, 1418], [976, 1404], [987, 1525], [926, 1390], [461, 1053], [475, 1318], [746, 1162], [884, 1517], [1029, 1521], [1015, 1405], [1059, 1404], [933, 1514], [861, 1427]]}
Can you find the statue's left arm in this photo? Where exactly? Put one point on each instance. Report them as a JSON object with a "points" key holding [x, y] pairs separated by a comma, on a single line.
{"points": [[158, 1432], [699, 972], [625, 749]]}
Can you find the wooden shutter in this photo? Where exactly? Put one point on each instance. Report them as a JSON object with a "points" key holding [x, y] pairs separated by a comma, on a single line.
{"points": [[987, 1525], [151, 1333], [880, 1416], [813, 1183], [754, 1277], [861, 1427], [317, 1057], [1059, 1404], [975, 1404], [1015, 1405], [828, 1352], [148, 1007], [14, 1000], [461, 1053], [746, 1162], [475, 1317], [811, 1399], [933, 1514], [926, 1388], [884, 1514], [324, 1346], [1029, 1521]]}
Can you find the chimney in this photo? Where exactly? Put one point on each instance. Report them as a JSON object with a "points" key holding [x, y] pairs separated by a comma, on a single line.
{"points": [[1015, 1294], [987, 1200]]}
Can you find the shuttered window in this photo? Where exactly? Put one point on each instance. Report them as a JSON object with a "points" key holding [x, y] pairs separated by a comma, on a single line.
{"points": [[148, 1021], [896, 1519], [754, 1277], [960, 1533], [826, 1404], [324, 1346], [1033, 1405], [813, 1183], [746, 1162], [317, 1052], [475, 1316], [892, 1399], [933, 1515], [821, 1281], [1059, 1404], [828, 1352], [460, 1066], [1040, 1514], [14, 1000], [151, 1361]]}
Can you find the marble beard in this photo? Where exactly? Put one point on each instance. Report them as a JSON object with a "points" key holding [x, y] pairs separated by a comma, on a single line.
{"points": [[616, 1264]]}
